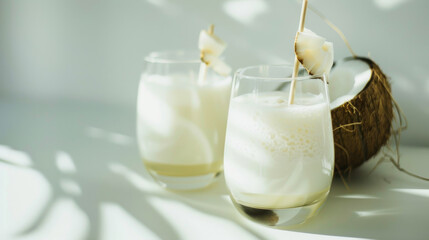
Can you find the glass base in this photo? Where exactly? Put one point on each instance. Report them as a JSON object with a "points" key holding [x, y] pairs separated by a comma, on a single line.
{"points": [[184, 183], [280, 218]]}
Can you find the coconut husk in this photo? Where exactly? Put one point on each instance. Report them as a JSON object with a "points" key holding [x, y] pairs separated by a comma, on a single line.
{"points": [[363, 125]]}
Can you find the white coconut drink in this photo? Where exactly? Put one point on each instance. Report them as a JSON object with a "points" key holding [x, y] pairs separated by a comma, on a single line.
{"points": [[182, 112], [279, 147]]}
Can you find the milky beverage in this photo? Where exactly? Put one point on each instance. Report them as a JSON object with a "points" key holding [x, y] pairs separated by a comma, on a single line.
{"points": [[181, 124], [276, 155]]}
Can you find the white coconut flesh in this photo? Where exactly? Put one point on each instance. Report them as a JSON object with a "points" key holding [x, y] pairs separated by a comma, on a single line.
{"points": [[314, 52], [216, 64], [211, 44], [211, 47], [347, 79]]}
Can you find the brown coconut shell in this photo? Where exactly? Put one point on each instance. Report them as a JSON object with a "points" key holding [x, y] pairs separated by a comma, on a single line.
{"points": [[372, 108]]}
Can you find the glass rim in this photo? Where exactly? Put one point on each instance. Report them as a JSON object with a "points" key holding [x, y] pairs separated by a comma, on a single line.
{"points": [[241, 73], [163, 56]]}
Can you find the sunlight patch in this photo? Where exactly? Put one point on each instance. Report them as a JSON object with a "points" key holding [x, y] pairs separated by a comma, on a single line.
{"points": [[112, 137], [357, 196], [134, 178], [158, 3], [117, 223], [416, 192], [14, 156], [389, 4], [245, 11], [375, 213], [71, 187], [65, 162]]}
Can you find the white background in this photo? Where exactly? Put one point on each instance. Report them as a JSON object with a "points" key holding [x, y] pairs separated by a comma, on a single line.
{"points": [[93, 50]]}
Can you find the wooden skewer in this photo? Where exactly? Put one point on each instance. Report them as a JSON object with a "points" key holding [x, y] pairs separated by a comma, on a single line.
{"points": [[296, 62], [211, 29], [202, 73]]}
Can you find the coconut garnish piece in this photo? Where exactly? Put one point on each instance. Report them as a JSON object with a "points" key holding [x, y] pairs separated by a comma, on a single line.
{"points": [[211, 47], [216, 64], [211, 44], [314, 52]]}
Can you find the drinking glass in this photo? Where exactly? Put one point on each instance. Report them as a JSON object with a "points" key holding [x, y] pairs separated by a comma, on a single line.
{"points": [[181, 120], [279, 157]]}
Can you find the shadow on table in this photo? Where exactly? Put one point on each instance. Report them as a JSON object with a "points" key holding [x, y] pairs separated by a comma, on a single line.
{"points": [[81, 160], [373, 204]]}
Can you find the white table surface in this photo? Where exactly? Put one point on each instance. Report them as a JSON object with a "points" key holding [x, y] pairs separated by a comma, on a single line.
{"points": [[71, 170]]}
